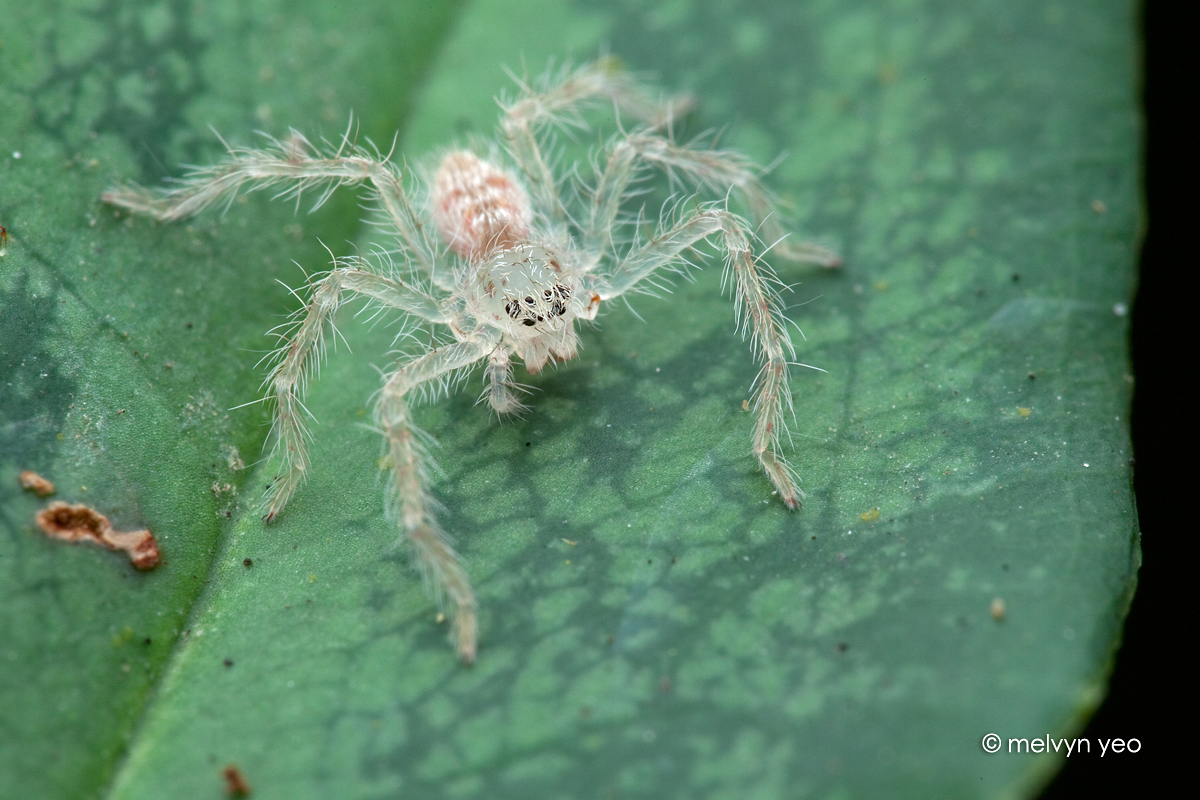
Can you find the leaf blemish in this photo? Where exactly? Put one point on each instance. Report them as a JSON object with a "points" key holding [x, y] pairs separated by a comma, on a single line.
{"points": [[235, 782], [32, 482], [75, 523]]}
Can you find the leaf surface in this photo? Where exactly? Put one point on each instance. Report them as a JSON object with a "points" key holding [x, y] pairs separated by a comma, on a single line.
{"points": [[654, 622]]}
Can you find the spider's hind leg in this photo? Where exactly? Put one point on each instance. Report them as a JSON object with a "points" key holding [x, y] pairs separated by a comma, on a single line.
{"points": [[295, 166], [561, 103]]}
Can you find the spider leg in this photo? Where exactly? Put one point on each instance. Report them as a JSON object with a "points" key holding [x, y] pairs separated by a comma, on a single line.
{"points": [[297, 166], [663, 250], [439, 563], [501, 389], [561, 104], [718, 170], [619, 169], [758, 311], [287, 379]]}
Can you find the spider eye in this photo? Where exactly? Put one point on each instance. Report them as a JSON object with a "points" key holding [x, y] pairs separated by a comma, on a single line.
{"points": [[513, 309], [528, 323], [548, 294], [529, 300]]}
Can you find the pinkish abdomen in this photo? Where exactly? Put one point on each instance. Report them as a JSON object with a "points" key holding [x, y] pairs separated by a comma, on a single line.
{"points": [[478, 207]]}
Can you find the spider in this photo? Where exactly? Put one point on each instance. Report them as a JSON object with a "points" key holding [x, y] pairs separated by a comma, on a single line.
{"points": [[513, 258]]}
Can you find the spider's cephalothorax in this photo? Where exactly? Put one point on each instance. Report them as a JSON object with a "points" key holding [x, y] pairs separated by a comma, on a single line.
{"points": [[525, 293], [508, 265]]}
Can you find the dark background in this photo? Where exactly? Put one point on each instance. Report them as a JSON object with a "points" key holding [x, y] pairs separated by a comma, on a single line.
{"points": [[1149, 685]]}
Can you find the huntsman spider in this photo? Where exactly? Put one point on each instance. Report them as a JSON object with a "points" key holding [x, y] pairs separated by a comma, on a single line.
{"points": [[508, 256]]}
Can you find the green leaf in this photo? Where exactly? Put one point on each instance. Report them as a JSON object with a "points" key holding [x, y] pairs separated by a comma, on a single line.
{"points": [[654, 622]]}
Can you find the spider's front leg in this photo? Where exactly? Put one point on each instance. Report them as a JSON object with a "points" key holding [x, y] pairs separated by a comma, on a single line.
{"points": [[439, 563], [758, 309], [287, 379], [758, 306]]}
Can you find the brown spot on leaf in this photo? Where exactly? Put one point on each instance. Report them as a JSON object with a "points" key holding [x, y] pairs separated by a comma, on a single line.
{"points": [[74, 523], [235, 782], [32, 482]]}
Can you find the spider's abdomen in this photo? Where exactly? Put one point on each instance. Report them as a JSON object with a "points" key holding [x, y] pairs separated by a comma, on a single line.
{"points": [[479, 208]]}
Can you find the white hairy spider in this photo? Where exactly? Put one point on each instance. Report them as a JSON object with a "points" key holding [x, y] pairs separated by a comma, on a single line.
{"points": [[509, 263]]}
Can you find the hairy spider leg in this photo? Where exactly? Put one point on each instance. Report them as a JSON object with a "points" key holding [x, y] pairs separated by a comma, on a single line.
{"points": [[610, 191], [500, 390], [287, 380], [758, 309], [721, 170], [296, 166], [560, 104], [439, 563]]}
